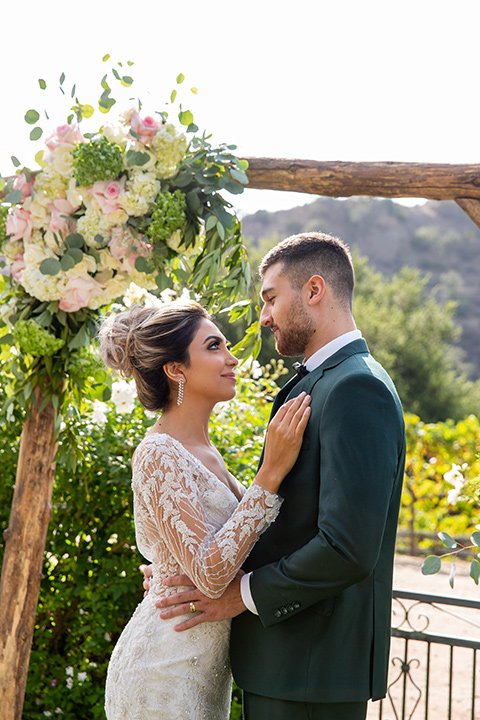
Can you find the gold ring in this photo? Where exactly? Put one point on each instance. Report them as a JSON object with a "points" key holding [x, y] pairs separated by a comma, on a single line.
{"points": [[192, 607]]}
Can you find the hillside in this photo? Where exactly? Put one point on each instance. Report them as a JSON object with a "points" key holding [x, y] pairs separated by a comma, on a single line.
{"points": [[437, 238]]}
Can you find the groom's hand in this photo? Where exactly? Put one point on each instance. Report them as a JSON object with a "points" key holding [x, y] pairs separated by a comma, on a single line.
{"points": [[226, 606]]}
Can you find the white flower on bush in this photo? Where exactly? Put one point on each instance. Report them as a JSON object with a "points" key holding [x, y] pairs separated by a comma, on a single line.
{"points": [[252, 368], [99, 410], [81, 677], [454, 477], [123, 396], [69, 683], [69, 671]]}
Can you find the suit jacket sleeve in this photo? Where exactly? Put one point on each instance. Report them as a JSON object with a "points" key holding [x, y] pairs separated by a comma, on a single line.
{"points": [[361, 436]]}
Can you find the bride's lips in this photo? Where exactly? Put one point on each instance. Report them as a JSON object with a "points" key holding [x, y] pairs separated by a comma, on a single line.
{"points": [[230, 376]]}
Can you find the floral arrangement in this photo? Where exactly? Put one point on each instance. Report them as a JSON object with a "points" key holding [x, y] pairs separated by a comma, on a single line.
{"points": [[137, 202]]}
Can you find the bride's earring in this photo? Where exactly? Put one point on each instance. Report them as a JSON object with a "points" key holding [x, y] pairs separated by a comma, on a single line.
{"points": [[180, 391]]}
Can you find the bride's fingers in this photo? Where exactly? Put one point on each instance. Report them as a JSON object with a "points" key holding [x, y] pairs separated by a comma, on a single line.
{"points": [[177, 598]]}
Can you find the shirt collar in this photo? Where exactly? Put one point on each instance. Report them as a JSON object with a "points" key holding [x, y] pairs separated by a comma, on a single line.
{"points": [[330, 348]]}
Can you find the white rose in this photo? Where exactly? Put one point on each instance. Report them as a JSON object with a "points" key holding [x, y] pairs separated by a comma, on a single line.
{"points": [[34, 254], [107, 261], [62, 159], [87, 265]]}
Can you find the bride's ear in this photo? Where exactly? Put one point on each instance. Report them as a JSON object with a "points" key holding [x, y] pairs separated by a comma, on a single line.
{"points": [[173, 371]]}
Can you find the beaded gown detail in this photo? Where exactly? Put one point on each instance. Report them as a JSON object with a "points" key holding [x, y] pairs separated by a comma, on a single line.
{"points": [[187, 521]]}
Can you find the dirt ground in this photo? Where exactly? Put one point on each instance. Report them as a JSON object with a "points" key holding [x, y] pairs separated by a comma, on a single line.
{"points": [[408, 576]]}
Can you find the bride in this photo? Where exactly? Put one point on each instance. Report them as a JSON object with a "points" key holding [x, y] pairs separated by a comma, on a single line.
{"points": [[191, 515]]}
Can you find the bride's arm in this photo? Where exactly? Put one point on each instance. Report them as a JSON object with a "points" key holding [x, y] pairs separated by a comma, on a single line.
{"points": [[168, 498]]}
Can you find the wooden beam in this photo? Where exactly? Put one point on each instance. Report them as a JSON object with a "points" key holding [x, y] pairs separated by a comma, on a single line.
{"points": [[471, 207], [23, 557], [378, 179]]}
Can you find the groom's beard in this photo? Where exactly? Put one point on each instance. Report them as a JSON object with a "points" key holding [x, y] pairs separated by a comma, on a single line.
{"points": [[295, 334]]}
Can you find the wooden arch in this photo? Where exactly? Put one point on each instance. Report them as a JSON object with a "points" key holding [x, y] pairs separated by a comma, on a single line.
{"points": [[25, 543]]}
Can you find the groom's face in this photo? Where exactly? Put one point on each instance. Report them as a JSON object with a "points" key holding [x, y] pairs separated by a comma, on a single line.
{"points": [[284, 311]]}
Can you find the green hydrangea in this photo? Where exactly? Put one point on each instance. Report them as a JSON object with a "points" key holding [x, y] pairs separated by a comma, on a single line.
{"points": [[84, 364], [32, 339], [168, 215], [3, 223], [97, 160]]}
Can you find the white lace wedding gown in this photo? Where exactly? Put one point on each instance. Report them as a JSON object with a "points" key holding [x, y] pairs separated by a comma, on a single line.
{"points": [[187, 521]]}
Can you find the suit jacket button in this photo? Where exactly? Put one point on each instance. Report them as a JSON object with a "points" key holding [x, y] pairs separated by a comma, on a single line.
{"points": [[296, 605], [284, 610], [277, 613], [290, 608]]}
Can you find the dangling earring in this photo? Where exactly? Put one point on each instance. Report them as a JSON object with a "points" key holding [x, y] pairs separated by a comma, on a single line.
{"points": [[180, 391]]}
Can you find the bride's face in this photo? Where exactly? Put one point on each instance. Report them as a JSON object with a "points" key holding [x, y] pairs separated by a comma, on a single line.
{"points": [[211, 370]]}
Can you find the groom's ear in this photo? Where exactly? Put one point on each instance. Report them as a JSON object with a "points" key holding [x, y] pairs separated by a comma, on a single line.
{"points": [[315, 289]]}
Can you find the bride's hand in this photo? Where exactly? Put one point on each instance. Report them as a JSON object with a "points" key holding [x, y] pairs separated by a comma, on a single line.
{"points": [[283, 441]]}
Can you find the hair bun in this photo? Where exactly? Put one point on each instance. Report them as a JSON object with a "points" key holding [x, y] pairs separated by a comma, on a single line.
{"points": [[115, 336]]}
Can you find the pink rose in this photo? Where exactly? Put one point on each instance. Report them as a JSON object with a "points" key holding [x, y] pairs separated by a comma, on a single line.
{"points": [[59, 223], [64, 135], [106, 193], [19, 225], [146, 128], [24, 186], [17, 266], [78, 292], [126, 248]]}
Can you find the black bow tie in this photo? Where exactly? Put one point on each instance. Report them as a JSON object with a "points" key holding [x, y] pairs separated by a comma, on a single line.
{"points": [[300, 369]]}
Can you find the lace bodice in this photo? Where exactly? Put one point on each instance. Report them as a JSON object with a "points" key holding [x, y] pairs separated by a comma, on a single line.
{"points": [[187, 521], [184, 511]]}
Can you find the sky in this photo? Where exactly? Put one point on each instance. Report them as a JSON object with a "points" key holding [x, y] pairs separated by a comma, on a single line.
{"points": [[351, 80]]}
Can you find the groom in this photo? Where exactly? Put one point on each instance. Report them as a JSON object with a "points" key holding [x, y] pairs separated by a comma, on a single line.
{"points": [[311, 630]]}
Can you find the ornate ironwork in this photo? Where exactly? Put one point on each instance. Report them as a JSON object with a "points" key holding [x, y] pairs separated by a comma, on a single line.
{"points": [[411, 679]]}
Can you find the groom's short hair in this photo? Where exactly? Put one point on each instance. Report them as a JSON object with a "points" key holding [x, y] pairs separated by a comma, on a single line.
{"points": [[314, 253]]}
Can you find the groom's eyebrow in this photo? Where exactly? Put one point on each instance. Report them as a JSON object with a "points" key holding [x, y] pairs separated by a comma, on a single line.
{"points": [[265, 291]]}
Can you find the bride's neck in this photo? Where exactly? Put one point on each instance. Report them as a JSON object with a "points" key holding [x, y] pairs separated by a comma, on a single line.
{"points": [[187, 425]]}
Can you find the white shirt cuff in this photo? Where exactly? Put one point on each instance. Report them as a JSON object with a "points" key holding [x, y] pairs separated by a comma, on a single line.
{"points": [[246, 593]]}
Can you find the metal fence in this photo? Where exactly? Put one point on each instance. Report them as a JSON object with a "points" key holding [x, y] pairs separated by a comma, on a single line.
{"points": [[434, 668]]}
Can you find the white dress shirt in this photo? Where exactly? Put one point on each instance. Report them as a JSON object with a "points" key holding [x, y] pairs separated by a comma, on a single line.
{"points": [[313, 362]]}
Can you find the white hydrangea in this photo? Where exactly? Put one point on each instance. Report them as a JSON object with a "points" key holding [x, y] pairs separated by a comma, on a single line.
{"points": [[49, 186], [115, 134], [169, 149], [93, 223], [43, 287], [141, 190], [144, 280], [123, 396], [11, 249]]}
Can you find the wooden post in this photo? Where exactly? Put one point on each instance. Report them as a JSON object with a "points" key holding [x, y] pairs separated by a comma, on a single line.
{"points": [[23, 560]]}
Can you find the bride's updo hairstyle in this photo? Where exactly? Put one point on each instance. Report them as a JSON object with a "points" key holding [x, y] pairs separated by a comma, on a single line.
{"points": [[139, 342]]}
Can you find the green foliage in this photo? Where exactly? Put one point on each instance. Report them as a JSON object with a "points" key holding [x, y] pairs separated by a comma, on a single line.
{"points": [[412, 335], [168, 215], [97, 160], [3, 223], [442, 480]]}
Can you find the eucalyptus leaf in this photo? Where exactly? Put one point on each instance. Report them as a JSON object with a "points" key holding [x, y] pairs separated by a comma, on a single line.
{"points": [[126, 80], [173, 96], [475, 570], [138, 158], [39, 158], [62, 78], [75, 240], [475, 538], [447, 540], [36, 133], [31, 117], [431, 565], [15, 196], [50, 266], [67, 263], [180, 78], [185, 117], [15, 161], [239, 175], [451, 578], [42, 84], [106, 57]]}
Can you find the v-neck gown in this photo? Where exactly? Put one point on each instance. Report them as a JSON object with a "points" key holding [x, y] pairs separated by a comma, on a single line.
{"points": [[187, 522]]}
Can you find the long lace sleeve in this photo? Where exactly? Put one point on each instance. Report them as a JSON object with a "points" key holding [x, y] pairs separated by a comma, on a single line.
{"points": [[170, 502]]}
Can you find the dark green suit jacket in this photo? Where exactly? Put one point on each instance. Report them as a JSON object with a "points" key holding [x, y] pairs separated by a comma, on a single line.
{"points": [[322, 572]]}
